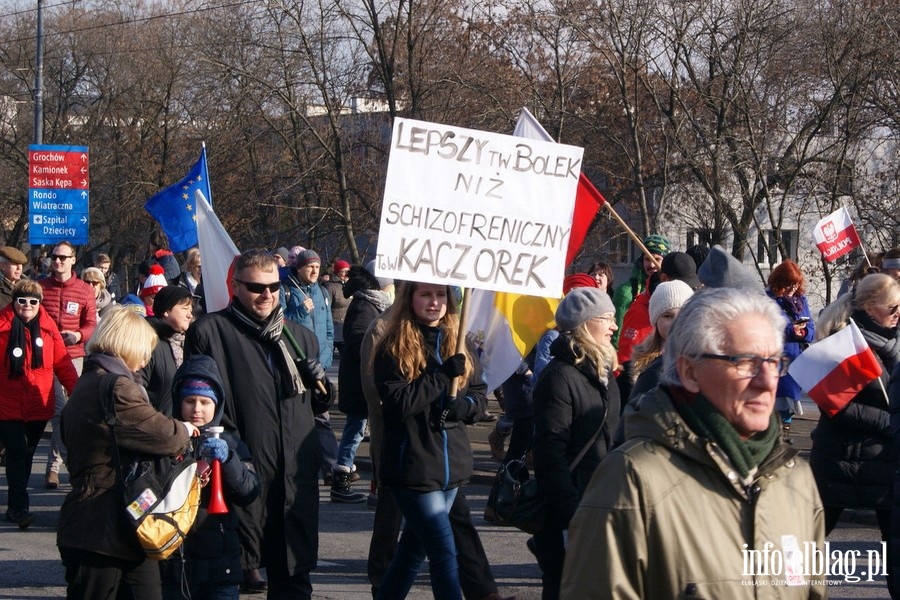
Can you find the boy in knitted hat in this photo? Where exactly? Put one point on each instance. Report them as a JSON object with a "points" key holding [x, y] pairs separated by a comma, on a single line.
{"points": [[210, 566]]}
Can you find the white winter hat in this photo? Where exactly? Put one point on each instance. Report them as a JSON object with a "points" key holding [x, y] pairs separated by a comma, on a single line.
{"points": [[668, 295]]}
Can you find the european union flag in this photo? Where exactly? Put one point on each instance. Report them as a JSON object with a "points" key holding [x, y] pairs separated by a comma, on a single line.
{"points": [[175, 209]]}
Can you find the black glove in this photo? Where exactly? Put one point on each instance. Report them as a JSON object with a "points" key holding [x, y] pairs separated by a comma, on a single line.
{"points": [[457, 409], [454, 366], [310, 371]]}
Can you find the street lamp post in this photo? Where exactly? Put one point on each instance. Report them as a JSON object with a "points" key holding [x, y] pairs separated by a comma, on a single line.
{"points": [[39, 78]]}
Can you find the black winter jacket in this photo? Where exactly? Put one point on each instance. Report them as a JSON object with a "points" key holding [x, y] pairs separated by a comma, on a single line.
{"points": [[279, 430], [157, 375], [359, 315], [852, 456], [416, 454], [212, 550], [570, 404]]}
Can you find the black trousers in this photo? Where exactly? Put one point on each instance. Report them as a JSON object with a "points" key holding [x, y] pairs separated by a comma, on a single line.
{"points": [[21, 439], [92, 576], [475, 576]]}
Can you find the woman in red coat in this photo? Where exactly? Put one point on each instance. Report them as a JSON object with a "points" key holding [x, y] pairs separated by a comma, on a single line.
{"points": [[33, 352]]}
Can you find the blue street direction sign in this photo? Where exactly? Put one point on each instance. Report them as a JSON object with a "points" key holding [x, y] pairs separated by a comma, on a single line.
{"points": [[58, 194]]}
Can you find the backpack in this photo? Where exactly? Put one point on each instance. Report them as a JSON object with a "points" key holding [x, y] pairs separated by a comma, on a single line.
{"points": [[162, 494]]}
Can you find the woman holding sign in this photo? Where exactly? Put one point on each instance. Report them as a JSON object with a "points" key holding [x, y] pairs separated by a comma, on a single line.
{"points": [[426, 454]]}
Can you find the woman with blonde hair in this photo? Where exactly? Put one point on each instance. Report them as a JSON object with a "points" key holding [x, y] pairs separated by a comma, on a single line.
{"points": [[852, 456], [33, 353], [191, 278], [576, 402], [426, 456], [97, 543]]}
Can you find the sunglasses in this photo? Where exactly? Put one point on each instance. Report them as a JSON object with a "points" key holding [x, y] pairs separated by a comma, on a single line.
{"points": [[60, 257], [259, 288], [93, 282], [893, 310], [27, 301]]}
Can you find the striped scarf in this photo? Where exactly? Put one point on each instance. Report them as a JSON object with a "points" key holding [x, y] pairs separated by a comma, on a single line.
{"points": [[269, 332]]}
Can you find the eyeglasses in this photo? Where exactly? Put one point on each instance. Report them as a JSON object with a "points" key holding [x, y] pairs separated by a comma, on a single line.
{"points": [[60, 257], [604, 318], [749, 365], [259, 288], [27, 301]]}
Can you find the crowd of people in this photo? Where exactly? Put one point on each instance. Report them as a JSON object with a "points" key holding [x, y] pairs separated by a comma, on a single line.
{"points": [[656, 414]]}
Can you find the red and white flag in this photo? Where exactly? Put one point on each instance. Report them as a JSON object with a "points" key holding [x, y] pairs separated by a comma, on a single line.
{"points": [[835, 369], [835, 235], [588, 199], [217, 254]]}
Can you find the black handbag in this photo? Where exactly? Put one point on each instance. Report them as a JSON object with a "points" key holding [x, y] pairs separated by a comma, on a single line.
{"points": [[515, 498]]}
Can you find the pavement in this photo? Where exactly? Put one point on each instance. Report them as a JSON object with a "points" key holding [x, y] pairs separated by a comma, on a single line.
{"points": [[30, 566]]}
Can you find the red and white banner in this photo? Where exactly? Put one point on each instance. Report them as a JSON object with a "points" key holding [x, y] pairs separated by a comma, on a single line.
{"points": [[835, 369], [835, 235], [217, 254]]}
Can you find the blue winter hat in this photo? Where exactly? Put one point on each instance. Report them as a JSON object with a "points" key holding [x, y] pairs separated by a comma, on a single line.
{"points": [[197, 387]]}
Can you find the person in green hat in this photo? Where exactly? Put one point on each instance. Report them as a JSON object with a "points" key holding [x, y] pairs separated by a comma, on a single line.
{"points": [[641, 271]]}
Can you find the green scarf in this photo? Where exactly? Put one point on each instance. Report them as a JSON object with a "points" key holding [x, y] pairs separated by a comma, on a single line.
{"points": [[706, 421]]}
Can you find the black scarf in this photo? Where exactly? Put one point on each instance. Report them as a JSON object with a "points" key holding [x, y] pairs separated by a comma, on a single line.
{"points": [[15, 349], [268, 331], [884, 341]]}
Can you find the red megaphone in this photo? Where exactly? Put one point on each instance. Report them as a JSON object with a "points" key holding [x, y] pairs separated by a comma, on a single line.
{"points": [[217, 504]]}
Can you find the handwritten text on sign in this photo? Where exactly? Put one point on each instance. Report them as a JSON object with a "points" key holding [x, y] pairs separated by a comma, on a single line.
{"points": [[477, 209]]}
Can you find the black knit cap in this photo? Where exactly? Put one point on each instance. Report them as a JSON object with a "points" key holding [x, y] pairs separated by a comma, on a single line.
{"points": [[168, 297]]}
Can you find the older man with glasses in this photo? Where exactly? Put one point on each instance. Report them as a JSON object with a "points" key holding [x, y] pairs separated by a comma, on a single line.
{"points": [[71, 304], [704, 499]]}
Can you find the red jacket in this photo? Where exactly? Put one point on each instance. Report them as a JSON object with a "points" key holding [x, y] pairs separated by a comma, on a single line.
{"points": [[635, 326], [72, 307], [30, 397]]}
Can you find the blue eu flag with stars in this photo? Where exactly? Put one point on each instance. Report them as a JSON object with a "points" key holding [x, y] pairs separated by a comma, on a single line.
{"points": [[175, 209]]}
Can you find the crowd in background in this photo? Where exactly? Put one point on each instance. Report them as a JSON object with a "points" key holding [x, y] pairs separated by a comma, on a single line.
{"points": [[629, 376]]}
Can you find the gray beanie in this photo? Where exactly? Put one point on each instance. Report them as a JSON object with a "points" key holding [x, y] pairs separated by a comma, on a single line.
{"points": [[666, 296], [383, 282], [582, 304], [306, 257], [722, 270]]}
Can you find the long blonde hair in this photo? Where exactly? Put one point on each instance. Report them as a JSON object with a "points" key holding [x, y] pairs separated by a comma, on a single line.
{"points": [[404, 342], [645, 353], [585, 349]]}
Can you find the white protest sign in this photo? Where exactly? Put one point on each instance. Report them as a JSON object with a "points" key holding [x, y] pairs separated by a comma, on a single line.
{"points": [[477, 209]]}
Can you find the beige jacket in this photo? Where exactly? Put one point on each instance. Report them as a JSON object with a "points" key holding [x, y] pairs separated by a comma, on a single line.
{"points": [[665, 516]]}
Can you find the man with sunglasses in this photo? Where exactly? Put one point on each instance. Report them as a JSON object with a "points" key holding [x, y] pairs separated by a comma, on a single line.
{"points": [[71, 303], [274, 386], [704, 499]]}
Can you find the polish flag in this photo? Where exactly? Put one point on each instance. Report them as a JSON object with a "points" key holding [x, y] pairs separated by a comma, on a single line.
{"points": [[835, 235], [835, 369], [217, 254]]}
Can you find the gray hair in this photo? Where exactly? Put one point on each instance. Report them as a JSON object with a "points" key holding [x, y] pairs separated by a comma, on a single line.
{"points": [[700, 326]]}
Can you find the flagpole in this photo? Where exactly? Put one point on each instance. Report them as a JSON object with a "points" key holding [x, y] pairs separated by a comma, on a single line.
{"points": [[206, 171], [637, 241], [461, 334]]}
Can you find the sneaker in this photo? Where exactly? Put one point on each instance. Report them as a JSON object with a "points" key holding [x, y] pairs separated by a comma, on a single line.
{"points": [[52, 480], [22, 518]]}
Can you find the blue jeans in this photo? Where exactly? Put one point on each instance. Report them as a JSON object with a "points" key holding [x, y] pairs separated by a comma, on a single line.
{"points": [[427, 532], [351, 437]]}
